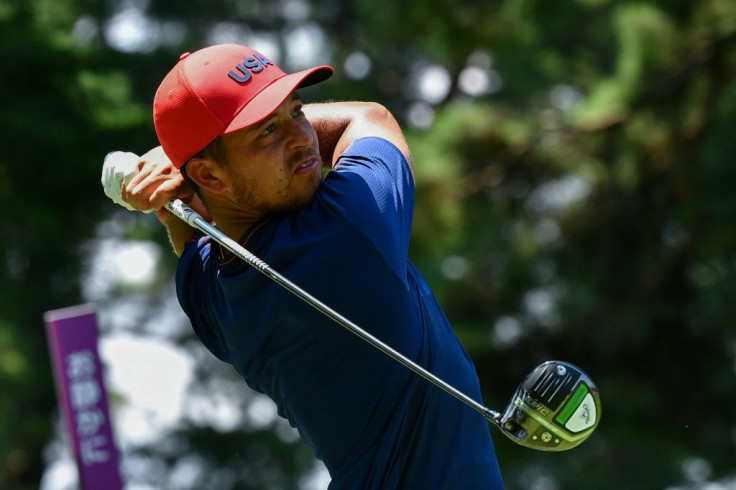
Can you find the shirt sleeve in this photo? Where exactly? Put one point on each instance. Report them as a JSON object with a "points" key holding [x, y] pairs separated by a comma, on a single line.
{"points": [[373, 186], [193, 272]]}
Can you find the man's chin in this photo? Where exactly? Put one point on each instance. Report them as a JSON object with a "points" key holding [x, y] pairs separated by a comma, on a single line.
{"points": [[297, 202]]}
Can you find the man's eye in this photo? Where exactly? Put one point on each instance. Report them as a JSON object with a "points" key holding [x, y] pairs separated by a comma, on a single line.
{"points": [[269, 129], [298, 110]]}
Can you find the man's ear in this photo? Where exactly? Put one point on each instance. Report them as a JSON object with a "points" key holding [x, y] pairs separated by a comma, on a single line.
{"points": [[207, 175]]}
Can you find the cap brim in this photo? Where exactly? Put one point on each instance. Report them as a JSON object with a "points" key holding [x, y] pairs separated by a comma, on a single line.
{"points": [[271, 97]]}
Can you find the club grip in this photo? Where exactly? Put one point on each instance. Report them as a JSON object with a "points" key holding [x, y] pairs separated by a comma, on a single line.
{"points": [[183, 212]]}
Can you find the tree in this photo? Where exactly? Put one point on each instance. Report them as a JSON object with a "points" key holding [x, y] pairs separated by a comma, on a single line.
{"points": [[573, 202], [57, 122]]}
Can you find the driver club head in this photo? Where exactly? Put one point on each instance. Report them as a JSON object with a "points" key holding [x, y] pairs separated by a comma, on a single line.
{"points": [[556, 408]]}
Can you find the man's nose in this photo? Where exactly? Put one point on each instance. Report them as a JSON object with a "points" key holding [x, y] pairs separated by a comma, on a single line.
{"points": [[299, 134]]}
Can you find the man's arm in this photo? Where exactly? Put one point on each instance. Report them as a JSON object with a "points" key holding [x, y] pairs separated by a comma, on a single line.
{"points": [[179, 232], [338, 124]]}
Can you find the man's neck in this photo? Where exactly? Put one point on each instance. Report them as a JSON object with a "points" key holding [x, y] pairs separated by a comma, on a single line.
{"points": [[234, 228]]}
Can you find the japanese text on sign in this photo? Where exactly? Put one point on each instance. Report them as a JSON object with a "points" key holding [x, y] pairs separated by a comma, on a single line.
{"points": [[85, 395]]}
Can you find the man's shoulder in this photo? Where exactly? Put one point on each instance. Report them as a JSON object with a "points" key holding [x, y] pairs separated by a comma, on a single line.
{"points": [[370, 146]]}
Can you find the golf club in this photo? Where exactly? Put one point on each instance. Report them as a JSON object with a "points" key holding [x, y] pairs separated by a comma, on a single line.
{"points": [[556, 407]]}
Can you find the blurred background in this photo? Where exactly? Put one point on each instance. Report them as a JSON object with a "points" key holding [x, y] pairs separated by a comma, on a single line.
{"points": [[575, 170]]}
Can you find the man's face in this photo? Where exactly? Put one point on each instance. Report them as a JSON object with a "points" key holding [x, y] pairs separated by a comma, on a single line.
{"points": [[274, 166]]}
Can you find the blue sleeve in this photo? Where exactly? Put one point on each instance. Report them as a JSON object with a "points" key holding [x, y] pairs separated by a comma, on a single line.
{"points": [[192, 271], [373, 186]]}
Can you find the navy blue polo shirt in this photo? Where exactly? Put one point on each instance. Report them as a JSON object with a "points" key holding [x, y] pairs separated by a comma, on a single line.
{"points": [[374, 423]]}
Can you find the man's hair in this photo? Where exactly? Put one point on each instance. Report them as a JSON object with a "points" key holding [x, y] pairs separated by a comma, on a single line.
{"points": [[214, 151]]}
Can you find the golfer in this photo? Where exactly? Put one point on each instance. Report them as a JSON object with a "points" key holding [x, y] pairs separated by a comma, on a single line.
{"points": [[324, 193]]}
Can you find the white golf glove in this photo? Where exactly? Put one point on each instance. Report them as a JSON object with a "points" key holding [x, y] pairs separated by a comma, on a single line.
{"points": [[119, 168]]}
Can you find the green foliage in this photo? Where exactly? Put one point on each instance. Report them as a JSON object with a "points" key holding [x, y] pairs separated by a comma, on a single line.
{"points": [[582, 210], [51, 202], [108, 97]]}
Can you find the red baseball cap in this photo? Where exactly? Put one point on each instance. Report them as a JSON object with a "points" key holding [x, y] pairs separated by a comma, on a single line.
{"points": [[218, 90]]}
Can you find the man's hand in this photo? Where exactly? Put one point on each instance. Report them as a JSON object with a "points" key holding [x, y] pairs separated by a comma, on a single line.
{"points": [[155, 182], [146, 184]]}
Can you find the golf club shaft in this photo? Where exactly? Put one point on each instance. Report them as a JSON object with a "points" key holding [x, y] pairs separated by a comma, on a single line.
{"points": [[191, 217]]}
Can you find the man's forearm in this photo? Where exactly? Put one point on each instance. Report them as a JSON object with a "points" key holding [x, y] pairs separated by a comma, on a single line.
{"points": [[179, 231], [329, 120], [340, 123]]}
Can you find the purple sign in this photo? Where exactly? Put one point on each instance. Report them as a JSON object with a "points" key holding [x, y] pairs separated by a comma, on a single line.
{"points": [[72, 335]]}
